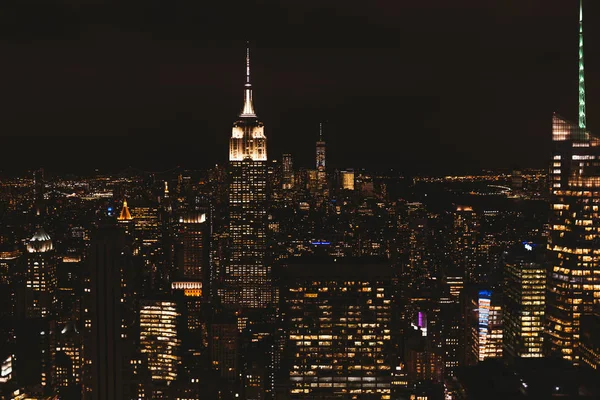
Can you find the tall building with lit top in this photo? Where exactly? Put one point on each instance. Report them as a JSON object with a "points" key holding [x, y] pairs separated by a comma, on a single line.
{"points": [[524, 301], [40, 276], [193, 248], [320, 162], [247, 280], [339, 324], [484, 328], [574, 255], [464, 249]]}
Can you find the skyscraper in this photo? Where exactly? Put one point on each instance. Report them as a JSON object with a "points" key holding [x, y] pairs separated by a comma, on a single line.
{"points": [[464, 241], [573, 288], [105, 352], [524, 301], [247, 280], [41, 276], [159, 344], [288, 172], [320, 162], [339, 323]]}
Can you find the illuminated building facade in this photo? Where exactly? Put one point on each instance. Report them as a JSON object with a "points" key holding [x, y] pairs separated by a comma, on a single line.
{"points": [[464, 251], [41, 276], [574, 271], [320, 162], [489, 330], [339, 326], [247, 280], [125, 219], [159, 343], [524, 301], [146, 225], [288, 172], [347, 179], [67, 365], [484, 333], [192, 234]]}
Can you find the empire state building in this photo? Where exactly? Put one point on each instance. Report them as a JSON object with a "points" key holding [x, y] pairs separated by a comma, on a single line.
{"points": [[247, 280]]}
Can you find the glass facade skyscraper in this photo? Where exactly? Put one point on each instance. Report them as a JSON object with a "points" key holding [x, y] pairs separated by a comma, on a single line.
{"points": [[574, 271]]}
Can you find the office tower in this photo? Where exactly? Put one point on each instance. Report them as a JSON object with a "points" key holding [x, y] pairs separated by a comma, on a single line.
{"points": [[423, 364], [106, 346], [147, 227], [67, 365], [320, 158], [288, 172], [247, 280], [455, 284], [464, 249], [40, 276], [524, 301], [418, 250], [450, 332], [574, 223], [320, 162], [193, 252], [347, 179], [159, 345], [484, 330], [339, 324], [224, 348], [149, 243]]}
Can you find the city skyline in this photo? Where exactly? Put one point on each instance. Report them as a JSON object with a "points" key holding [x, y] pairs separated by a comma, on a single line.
{"points": [[346, 270], [481, 79]]}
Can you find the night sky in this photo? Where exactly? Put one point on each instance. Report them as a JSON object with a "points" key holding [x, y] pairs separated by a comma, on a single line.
{"points": [[422, 86]]}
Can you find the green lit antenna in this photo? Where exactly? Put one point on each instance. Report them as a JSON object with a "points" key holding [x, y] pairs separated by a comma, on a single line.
{"points": [[582, 122]]}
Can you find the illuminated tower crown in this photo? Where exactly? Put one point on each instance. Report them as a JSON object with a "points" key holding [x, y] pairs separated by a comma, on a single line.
{"points": [[125, 215], [248, 141], [582, 120]]}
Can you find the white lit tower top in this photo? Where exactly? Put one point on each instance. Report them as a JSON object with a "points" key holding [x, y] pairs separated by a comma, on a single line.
{"points": [[248, 141]]}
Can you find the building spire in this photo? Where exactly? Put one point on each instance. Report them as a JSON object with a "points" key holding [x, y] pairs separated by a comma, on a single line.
{"points": [[248, 110], [320, 132], [582, 120]]}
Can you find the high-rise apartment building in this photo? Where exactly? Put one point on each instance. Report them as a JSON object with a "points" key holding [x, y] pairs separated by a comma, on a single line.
{"points": [[247, 278]]}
